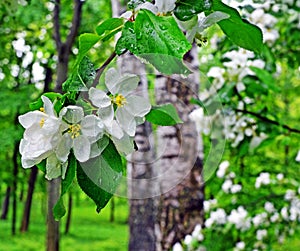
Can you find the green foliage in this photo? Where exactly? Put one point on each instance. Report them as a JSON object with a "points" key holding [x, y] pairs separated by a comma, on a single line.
{"points": [[59, 208], [164, 115], [109, 28], [82, 77], [239, 31], [158, 40], [99, 177], [187, 9]]}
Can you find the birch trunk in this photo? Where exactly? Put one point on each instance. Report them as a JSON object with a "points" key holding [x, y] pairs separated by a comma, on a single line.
{"points": [[179, 165]]}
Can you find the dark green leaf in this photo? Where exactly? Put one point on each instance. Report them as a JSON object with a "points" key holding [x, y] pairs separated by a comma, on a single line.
{"points": [[109, 28], [39, 103], [59, 208], [86, 42], [239, 31], [132, 4], [265, 77], [99, 177], [42, 166], [187, 9], [158, 40], [165, 115], [82, 77]]}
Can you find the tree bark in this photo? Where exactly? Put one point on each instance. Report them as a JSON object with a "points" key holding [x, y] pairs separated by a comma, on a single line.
{"points": [[64, 50], [5, 205], [179, 165], [112, 210], [14, 186], [142, 216], [27, 208], [69, 213]]}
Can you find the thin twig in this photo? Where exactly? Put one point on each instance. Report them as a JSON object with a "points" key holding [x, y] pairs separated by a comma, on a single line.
{"points": [[56, 24], [75, 24], [102, 68], [290, 129]]}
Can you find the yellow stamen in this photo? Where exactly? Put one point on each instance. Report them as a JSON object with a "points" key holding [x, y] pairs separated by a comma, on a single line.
{"points": [[74, 130], [42, 109], [120, 100], [42, 122]]}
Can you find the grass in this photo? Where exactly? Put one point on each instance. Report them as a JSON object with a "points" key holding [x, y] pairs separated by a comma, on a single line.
{"points": [[89, 230]]}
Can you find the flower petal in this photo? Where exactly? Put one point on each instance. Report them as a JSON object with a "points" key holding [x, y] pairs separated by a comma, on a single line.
{"points": [[30, 118], [106, 114], [126, 120], [91, 126], [112, 77], [128, 83], [72, 114], [99, 98], [124, 145], [165, 6], [53, 167], [137, 106], [114, 129], [48, 106], [82, 148], [63, 148]]}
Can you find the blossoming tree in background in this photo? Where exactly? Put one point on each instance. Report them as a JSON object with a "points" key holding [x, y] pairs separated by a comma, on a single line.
{"points": [[83, 132], [253, 201]]}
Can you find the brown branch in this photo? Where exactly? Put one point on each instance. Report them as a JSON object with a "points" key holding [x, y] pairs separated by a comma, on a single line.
{"points": [[290, 129], [100, 70], [56, 24], [75, 24]]}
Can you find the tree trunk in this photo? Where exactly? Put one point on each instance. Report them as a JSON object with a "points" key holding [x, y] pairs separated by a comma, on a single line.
{"points": [[14, 186], [69, 213], [142, 216], [5, 205], [27, 208], [179, 165], [112, 210], [64, 50]]}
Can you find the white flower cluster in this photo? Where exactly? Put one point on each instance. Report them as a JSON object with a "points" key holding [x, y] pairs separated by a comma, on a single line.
{"points": [[50, 136]]}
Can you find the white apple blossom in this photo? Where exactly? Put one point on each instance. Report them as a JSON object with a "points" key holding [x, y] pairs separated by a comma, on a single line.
{"points": [[130, 109], [81, 133], [177, 247], [203, 123], [195, 27], [222, 168], [269, 207], [239, 217], [240, 246], [298, 156], [262, 179], [160, 8], [261, 234], [40, 136], [259, 219], [188, 240]]}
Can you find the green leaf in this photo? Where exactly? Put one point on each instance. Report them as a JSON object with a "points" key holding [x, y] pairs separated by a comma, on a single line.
{"points": [[265, 77], [239, 31], [82, 77], [165, 115], [42, 166], [187, 9], [158, 40], [99, 177], [39, 103], [59, 208], [86, 42], [132, 4], [109, 28]]}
